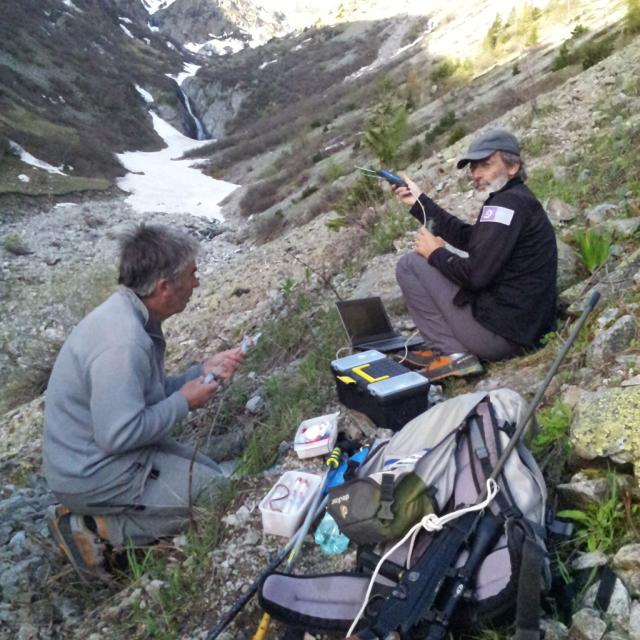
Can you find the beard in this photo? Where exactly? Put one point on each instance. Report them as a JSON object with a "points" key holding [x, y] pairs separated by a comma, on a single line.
{"points": [[491, 186]]}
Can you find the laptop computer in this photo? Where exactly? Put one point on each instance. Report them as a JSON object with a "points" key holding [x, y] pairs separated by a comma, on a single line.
{"points": [[367, 325]]}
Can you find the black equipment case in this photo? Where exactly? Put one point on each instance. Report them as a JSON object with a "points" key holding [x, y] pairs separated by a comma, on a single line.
{"points": [[381, 388]]}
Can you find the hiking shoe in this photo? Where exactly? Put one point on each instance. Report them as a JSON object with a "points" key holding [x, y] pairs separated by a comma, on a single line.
{"points": [[417, 359], [84, 548], [456, 364]]}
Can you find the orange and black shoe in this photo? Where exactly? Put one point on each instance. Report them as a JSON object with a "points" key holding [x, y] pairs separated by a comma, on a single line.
{"points": [[85, 549], [456, 364], [417, 359]]}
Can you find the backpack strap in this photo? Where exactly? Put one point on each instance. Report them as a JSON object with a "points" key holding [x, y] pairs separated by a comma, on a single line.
{"points": [[528, 598], [386, 497], [605, 588], [480, 450]]}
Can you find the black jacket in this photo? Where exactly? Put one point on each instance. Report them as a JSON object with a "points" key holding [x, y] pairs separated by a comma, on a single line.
{"points": [[509, 277]]}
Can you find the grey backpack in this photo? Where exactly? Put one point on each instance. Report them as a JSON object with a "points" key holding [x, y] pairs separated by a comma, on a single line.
{"points": [[437, 463]]}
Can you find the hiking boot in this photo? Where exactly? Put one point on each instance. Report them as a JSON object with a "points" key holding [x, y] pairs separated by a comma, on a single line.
{"points": [[84, 547], [456, 364], [417, 359]]}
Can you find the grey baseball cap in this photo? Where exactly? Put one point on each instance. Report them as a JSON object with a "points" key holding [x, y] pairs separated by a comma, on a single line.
{"points": [[490, 142]]}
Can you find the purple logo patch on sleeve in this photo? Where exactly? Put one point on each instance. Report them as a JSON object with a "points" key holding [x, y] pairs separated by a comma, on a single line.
{"points": [[497, 214]]}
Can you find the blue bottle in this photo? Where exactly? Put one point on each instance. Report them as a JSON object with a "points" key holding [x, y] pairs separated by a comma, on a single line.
{"points": [[328, 536]]}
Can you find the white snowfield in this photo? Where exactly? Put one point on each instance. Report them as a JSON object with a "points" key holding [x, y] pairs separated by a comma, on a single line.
{"points": [[160, 182]]}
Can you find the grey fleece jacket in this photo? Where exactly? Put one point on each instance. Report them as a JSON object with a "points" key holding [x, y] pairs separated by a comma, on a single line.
{"points": [[108, 401]]}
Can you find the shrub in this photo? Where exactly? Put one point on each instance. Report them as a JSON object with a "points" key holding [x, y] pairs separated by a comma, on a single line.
{"points": [[457, 133], [395, 222], [387, 130], [594, 52], [444, 124], [491, 39], [632, 17], [364, 192], [333, 171], [563, 59], [578, 30], [444, 69], [14, 244], [307, 191]]}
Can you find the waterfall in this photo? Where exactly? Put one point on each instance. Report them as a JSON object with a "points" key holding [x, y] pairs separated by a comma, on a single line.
{"points": [[201, 132]]}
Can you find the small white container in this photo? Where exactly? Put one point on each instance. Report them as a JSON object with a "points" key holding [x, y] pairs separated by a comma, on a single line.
{"points": [[284, 507], [316, 436]]}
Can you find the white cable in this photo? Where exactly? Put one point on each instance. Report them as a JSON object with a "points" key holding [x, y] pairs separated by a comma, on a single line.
{"points": [[342, 349], [430, 522], [406, 345], [424, 213]]}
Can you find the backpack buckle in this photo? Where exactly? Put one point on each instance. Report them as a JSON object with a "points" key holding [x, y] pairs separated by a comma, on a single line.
{"points": [[386, 497]]}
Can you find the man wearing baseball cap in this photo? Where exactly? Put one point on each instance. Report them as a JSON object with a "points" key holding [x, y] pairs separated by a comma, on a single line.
{"points": [[498, 301]]}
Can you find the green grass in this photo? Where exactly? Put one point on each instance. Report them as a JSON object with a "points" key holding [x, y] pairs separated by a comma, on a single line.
{"points": [[78, 290], [182, 572], [601, 526], [594, 247], [312, 337], [612, 161], [42, 182], [553, 425]]}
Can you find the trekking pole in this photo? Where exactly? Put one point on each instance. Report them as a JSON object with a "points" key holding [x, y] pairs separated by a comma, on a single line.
{"points": [[478, 531], [255, 585], [332, 462], [591, 303]]}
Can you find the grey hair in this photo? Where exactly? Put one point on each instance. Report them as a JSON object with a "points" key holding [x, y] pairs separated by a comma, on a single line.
{"points": [[511, 159], [150, 252]]}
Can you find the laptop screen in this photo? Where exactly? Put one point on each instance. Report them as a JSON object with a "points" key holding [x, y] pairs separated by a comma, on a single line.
{"points": [[364, 319]]}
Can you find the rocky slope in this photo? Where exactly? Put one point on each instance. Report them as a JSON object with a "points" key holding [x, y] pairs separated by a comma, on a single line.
{"points": [[245, 284]]}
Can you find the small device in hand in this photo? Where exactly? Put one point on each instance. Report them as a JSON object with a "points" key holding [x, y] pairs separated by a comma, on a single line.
{"points": [[391, 178], [209, 378]]}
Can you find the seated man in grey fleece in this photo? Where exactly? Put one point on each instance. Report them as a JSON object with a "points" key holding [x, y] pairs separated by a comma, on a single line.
{"points": [[110, 409]]}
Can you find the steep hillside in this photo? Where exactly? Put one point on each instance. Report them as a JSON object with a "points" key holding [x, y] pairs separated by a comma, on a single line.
{"points": [[295, 118], [68, 74]]}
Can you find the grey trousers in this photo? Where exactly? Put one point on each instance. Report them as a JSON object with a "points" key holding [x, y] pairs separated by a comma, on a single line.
{"points": [[155, 504], [444, 326]]}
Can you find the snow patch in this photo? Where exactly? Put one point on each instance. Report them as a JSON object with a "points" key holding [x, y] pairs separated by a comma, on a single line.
{"points": [[162, 182], [127, 20], [126, 31], [70, 5], [24, 178], [148, 98], [220, 46], [266, 64], [155, 5], [189, 69], [33, 161]]}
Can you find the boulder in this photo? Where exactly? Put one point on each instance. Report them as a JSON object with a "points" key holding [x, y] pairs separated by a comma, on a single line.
{"points": [[606, 424], [601, 212], [587, 625], [559, 211], [570, 269], [612, 341], [619, 605], [620, 279], [626, 564]]}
